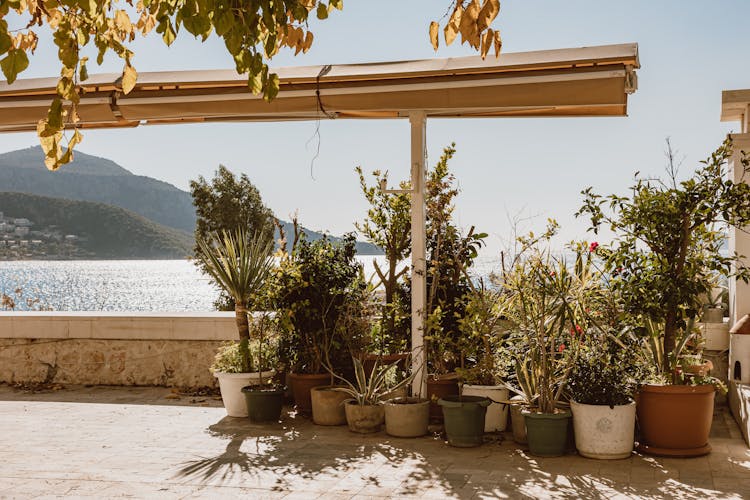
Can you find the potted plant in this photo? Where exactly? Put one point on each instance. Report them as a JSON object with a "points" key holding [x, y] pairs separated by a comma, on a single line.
{"points": [[601, 386], [364, 410], [309, 290], [664, 256], [546, 302], [265, 400], [239, 265], [484, 329]]}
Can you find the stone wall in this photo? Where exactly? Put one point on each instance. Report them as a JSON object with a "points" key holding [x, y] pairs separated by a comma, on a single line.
{"points": [[112, 349]]}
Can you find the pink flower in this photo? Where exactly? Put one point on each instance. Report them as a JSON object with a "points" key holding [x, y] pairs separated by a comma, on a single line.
{"points": [[593, 246]]}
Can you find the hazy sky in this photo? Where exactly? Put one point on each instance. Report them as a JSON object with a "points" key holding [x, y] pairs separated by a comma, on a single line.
{"points": [[690, 51]]}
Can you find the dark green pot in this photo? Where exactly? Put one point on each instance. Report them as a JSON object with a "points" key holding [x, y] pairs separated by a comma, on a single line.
{"points": [[547, 433], [263, 405], [464, 419]]}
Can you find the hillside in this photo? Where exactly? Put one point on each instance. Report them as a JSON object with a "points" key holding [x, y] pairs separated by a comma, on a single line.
{"points": [[106, 231], [95, 179]]}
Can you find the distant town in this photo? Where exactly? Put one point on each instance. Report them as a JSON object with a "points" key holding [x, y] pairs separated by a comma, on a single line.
{"points": [[19, 239]]}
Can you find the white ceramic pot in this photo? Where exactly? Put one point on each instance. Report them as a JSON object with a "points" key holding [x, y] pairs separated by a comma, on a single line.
{"points": [[231, 385], [496, 418], [602, 432]]}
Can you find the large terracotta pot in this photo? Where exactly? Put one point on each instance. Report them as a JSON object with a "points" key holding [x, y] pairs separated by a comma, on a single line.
{"points": [[675, 420], [439, 388], [301, 384]]}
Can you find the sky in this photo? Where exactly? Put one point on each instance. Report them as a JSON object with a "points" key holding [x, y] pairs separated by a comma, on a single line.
{"points": [[529, 168]]}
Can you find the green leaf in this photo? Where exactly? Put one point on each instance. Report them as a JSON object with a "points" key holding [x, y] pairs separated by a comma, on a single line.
{"points": [[322, 11], [14, 63], [5, 40], [129, 78], [272, 87]]}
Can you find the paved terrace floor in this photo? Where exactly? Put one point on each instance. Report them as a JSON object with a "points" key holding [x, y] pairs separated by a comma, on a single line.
{"points": [[142, 442]]}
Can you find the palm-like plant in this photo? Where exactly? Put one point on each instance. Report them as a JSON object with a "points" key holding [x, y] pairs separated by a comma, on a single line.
{"points": [[238, 265]]}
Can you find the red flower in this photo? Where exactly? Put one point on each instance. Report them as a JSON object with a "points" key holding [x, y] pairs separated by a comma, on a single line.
{"points": [[579, 330], [561, 348], [593, 246]]}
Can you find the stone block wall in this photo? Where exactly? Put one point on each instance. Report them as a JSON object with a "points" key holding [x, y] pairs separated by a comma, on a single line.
{"points": [[172, 350]]}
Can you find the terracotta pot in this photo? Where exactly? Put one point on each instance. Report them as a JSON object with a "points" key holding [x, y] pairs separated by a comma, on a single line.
{"points": [[364, 419], [675, 420], [328, 405], [439, 388], [386, 359], [301, 384]]}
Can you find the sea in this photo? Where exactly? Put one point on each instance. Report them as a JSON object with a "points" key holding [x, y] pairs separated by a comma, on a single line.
{"points": [[121, 285]]}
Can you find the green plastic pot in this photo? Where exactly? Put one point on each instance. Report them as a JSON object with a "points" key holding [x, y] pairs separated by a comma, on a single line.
{"points": [[263, 405], [547, 433], [464, 419]]}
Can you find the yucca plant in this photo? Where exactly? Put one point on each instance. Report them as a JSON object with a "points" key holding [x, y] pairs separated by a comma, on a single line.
{"points": [[370, 389], [239, 265]]}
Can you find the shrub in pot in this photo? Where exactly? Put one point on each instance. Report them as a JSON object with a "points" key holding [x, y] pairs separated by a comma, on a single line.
{"points": [[485, 360], [665, 255], [601, 386], [240, 265], [310, 290], [546, 302], [364, 410]]}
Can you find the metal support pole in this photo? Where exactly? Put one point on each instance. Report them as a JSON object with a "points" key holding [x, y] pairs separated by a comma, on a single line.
{"points": [[418, 122]]}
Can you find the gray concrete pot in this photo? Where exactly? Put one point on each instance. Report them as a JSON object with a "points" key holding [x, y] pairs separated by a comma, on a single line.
{"points": [[407, 417], [364, 419], [518, 421]]}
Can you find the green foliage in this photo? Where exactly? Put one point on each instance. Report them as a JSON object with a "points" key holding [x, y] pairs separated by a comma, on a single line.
{"points": [[548, 304], [240, 266], [228, 204], [320, 296], [370, 388], [666, 252], [607, 369], [388, 225], [450, 255], [109, 232], [484, 329], [228, 357]]}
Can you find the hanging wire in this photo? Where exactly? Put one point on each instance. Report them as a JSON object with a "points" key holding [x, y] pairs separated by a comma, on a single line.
{"points": [[321, 112]]}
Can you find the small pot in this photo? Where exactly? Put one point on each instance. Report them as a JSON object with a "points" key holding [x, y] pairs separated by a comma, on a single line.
{"points": [[604, 432], [518, 421], [547, 433], [713, 314], [438, 388], [364, 419], [407, 417], [464, 419], [301, 384], [328, 405], [675, 420], [263, 405], [497, 413], [231, 384]]}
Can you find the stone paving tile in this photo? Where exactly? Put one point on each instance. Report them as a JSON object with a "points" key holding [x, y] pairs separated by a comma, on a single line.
{"points": [[109, 442]]}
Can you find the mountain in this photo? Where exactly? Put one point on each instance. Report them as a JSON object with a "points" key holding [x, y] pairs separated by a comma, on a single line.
{"points": [[95, 179], [105, 231]]}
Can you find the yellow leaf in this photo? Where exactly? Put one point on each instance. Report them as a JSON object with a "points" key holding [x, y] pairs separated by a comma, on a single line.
{"points": [[498, 44], [308, 42], [434, 27], [487, 40], [122, 21], [129, 77], [468, 25], [488, 14], [451, 29]]}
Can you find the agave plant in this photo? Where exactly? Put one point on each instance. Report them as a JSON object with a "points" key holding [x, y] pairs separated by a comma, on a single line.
{"points": [[239, 265], [370, 390]]}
